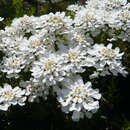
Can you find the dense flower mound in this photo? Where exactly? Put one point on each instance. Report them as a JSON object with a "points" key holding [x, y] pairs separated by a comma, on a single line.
{"points": [[55, 49], [10, 96]]}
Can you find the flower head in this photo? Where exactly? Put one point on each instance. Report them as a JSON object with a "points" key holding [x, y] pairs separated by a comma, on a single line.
{"points": [[11, 96], [78, 97]]}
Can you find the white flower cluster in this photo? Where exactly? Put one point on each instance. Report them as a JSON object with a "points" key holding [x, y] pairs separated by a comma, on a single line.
{"points": [[99, 16], [107, 60], [78, 97], [56, 49], [10, 96]]}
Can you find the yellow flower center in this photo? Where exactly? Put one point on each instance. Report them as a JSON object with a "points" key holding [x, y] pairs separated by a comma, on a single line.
{"points": [[24, 21], [35, 43], [89, 16], [8, 95], [72, 55], [115, 1], [55, 19], [79, 37], [10, 63], [125, 14], [49, 65], [107, 52]]}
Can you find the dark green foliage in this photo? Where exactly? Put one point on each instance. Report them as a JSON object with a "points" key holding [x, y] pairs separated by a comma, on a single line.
{"points": [[114, 106]]}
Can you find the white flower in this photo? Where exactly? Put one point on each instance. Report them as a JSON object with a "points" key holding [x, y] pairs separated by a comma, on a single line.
{"points": [[107, 59], [89, 19], [37, 45], [117, 3], [34, 90], [48, 69], [75, 60], [74, 8], [1, 19], [13, 65], [124, 16], [56, 22], [81, 39], [78, 97], [11, 96], [23, 24], [94, 75], [85, 16], [77, 115]]}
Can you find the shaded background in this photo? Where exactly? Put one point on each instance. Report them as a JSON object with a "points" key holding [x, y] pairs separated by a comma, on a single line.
{"points": [[47, 115]]}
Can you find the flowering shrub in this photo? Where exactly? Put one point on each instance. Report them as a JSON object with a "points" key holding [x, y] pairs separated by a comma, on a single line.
{"points": [[54, 50]]}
